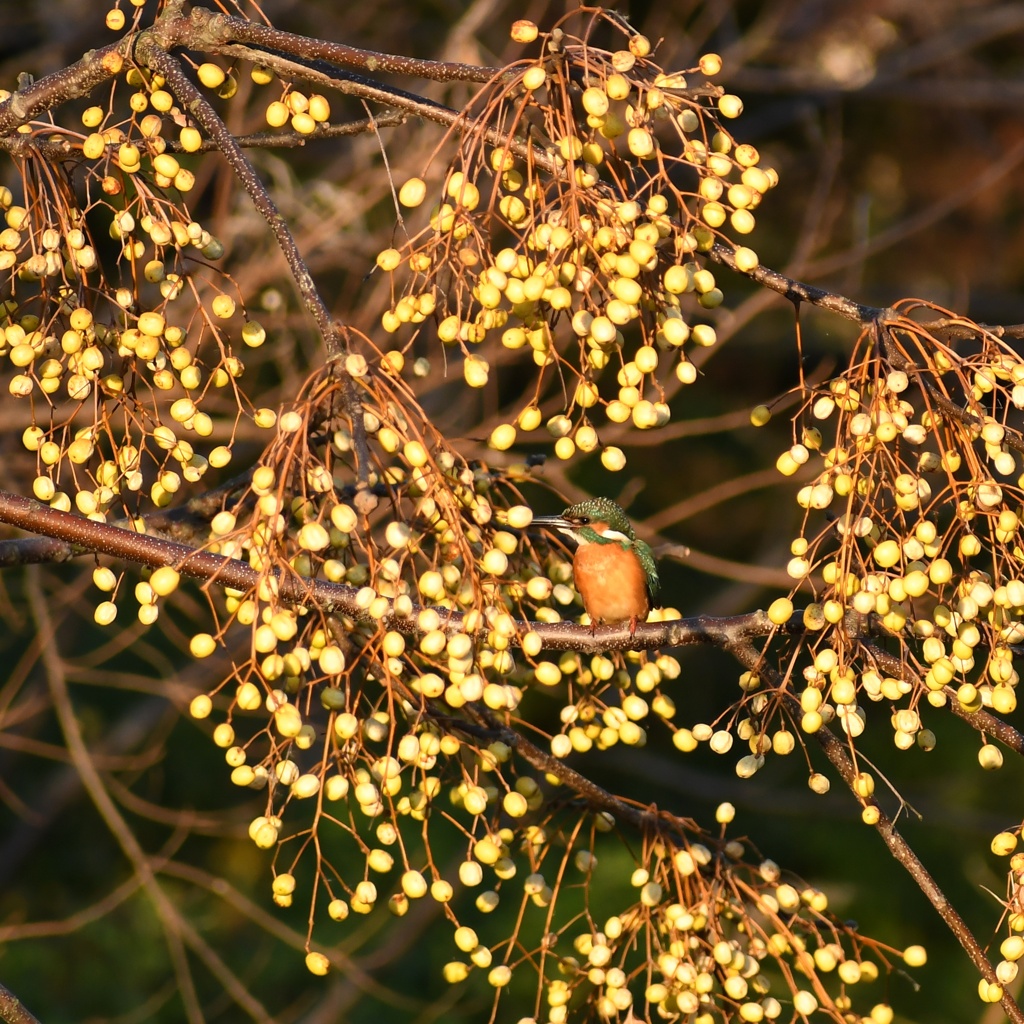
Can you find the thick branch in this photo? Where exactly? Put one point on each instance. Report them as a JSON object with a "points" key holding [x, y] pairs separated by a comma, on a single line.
{"points": [[187, 524], [12, 1011], [142, 549], [153, 56], [96, 67], [799, 291]]}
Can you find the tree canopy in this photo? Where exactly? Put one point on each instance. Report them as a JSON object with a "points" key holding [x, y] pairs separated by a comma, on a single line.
{"points": [[306, 317]]}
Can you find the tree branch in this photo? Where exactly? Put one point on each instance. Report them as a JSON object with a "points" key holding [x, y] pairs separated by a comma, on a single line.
{"points": [[11, 1009], [95, 68], [208, 567], [192, 99], [227, 30], [799, 291]]}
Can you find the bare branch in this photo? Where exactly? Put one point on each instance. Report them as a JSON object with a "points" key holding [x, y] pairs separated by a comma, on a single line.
{"points": [[12, 1011], [196, 103]]}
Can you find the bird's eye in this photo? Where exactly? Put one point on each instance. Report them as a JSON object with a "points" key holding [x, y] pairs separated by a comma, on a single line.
{"points": [[583, 520]]}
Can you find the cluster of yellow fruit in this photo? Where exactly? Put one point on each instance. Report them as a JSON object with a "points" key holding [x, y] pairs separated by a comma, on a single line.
{"points": [[543, 248], [391, 768], [714, 965], [1011, 949], [303, 112], [926, 540], [86, 360], [136, 353]]}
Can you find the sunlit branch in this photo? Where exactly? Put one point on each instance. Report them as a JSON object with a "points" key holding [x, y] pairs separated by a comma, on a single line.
{"points": [[188, 523], [237, 30], [214, 127], [799, 291]]}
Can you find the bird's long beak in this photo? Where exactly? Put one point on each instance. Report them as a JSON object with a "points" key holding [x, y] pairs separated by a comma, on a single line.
{"points": [[551, 522], [558, 524]]}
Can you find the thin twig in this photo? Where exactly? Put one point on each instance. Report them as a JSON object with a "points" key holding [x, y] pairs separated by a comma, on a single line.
{"points": [[102, 800], [63, 150]]}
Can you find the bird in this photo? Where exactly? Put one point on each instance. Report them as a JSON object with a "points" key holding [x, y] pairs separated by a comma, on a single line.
{"points": [[614, 571]]}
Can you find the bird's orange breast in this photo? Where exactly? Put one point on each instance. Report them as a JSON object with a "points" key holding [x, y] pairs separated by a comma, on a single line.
{"points": [[611, 582]]}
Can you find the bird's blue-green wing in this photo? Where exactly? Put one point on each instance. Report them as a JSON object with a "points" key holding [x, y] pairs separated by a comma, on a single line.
{"points": [[646, 557]]}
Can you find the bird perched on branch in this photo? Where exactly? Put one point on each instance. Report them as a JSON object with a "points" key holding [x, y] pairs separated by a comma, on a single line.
{"points": [[614, 571]]}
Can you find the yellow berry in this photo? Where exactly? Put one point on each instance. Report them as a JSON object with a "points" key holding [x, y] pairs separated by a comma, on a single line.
{"points": [[503, 437], [211, 75], [277, 114], [915, 956], [523, 31], [730, 106], [317, 963], [710, 64], [202, 645], [413, 192]]}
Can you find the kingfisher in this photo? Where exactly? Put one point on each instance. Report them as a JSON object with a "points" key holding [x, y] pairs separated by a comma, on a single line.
{"points": [[614, 571]]}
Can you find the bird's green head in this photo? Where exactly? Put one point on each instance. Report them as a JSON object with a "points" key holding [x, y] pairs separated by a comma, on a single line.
{"points": [[594, 521]]}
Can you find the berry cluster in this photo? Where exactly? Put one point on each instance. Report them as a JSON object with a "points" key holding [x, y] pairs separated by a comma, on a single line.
{"points": [[572, 224]]}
